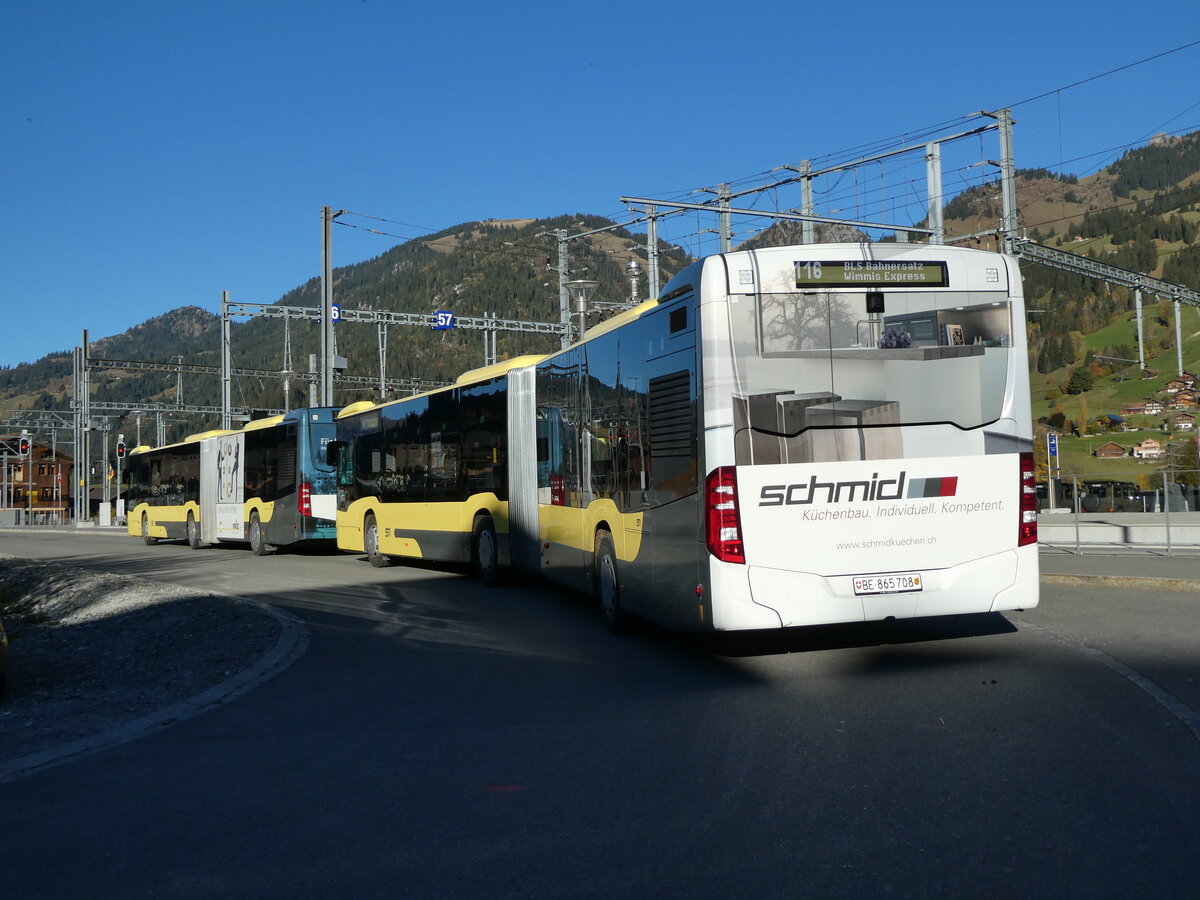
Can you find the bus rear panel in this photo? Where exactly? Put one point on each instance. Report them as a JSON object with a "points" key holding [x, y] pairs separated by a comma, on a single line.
{"points": [[866, 435]]}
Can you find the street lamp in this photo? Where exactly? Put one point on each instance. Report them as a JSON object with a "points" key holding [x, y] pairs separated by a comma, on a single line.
{"points": [[581, 292]]}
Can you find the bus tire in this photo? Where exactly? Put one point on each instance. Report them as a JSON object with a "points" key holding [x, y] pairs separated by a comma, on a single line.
{"points": [[371, 544], [485, 559], [258, 544], [149, 541], [608, 584], [193, 532]]}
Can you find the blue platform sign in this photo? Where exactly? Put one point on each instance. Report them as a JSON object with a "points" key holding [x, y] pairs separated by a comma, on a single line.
{"points": [[1052, 444], [442, 320], [336, 315]]}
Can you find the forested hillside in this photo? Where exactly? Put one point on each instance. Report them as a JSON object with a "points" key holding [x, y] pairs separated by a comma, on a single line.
{"points": [[497, 267], [1142, 214]]}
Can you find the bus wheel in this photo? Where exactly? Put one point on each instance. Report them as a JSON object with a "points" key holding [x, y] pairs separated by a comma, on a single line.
{"points": [[193, 532], [258, 543], [149, 541], [485, 563], [371, 544], [608, 585]]}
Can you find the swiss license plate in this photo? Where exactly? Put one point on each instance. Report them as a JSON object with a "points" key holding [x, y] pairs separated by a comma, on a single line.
{"points": [[888, 583]]}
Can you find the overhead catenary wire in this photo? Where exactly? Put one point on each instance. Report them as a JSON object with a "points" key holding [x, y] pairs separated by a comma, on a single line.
{"points": [[891, 192], [1082, 81]]}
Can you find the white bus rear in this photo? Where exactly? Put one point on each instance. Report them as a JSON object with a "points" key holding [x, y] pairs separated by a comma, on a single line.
{"points": [[866, 434]]}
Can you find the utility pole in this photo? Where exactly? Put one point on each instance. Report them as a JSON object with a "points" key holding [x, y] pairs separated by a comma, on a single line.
{"points": [[179, 382], [564, 296], [76, 431], [1008, 180], [105, 509], [29, 475], [383, 336], [120, 499], [226, 367], [723, 197], [489, 341], [652, 250], [328, 348], [933, 181], [1178, 334], [85, 432], [287, 363], [808, 229]]}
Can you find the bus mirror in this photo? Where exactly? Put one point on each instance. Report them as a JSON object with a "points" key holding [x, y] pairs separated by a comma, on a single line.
{"points": [[333, 452]]}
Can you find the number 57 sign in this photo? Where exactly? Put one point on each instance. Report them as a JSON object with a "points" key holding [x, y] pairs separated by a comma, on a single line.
{"points": [[443, 320]]}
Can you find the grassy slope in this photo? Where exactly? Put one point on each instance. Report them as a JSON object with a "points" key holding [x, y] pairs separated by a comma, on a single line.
{"points": [[1111, 393]]}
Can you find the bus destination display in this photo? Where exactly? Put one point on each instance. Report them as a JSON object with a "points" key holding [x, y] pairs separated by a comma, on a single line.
{"points": [[870, 273]]}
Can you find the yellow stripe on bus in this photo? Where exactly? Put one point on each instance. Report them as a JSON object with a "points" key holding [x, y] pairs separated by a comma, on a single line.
{"points": [[451, 518], [265, 509], [566, 526], [570, 526], [158, 516]]}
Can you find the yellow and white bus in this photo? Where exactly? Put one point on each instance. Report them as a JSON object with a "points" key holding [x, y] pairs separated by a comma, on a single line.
{"points": [[787, 436], [266, 484]]}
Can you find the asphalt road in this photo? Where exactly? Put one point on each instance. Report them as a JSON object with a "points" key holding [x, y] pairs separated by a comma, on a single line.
{"points": [[438, 739]]}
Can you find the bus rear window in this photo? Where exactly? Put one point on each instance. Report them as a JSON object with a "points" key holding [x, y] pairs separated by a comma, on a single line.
{"points": [[813, 360], [319, 436]]}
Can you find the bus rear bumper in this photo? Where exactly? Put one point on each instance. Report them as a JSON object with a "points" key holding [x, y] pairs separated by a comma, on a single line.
{"points": [[757, 595]]}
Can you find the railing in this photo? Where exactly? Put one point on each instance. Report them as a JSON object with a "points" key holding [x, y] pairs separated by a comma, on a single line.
{"points": [[23, 516], [1099, 513]]}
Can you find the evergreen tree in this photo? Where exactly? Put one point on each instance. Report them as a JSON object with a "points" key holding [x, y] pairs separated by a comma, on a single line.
{"points": [[1081, 381]]}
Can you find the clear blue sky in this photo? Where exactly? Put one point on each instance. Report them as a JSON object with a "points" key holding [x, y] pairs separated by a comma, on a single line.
{"points": [[157, 153]]}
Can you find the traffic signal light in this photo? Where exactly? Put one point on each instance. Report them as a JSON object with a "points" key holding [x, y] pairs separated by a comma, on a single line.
{"points": [[120, 449], [23, 446]]}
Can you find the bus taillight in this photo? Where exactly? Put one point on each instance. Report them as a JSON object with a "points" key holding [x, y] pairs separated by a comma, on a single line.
{"points": [[1027, 529], [304, 501], [723, 535]]}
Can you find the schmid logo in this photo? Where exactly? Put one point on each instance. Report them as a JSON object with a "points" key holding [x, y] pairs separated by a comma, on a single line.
{"points": [[856, 491]]}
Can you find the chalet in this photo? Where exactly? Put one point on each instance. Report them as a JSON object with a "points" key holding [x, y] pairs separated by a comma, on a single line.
{"points": [[1175, 385], [1154, 407], [1148, 449], [1179, 402], [1149, 373], [38, 482], [1111, 450], [1188, 396], [1181, 422], [1134, 408], [1187, 378]]}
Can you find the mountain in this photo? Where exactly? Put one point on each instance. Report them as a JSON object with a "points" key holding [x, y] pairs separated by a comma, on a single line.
{"points": [[497, 267]]}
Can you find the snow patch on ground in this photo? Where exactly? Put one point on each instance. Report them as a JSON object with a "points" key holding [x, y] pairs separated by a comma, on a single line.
{"points": [[89, 651]]}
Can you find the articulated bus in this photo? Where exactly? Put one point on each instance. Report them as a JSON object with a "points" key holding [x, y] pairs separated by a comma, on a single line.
{"points": [[787, 436], [266, 484]]}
